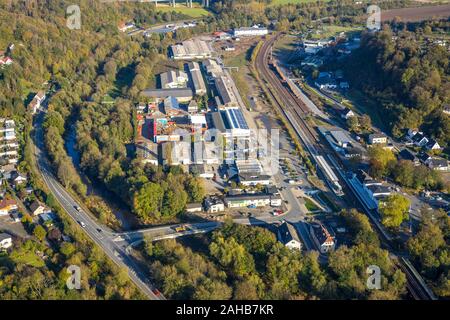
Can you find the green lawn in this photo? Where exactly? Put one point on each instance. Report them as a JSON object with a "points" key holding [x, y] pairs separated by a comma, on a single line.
{"points": [[333, 30], [195, 12], [310, 205]]}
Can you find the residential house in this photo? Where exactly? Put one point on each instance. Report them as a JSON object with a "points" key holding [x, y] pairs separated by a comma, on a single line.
{"points": [[5, 241], [439, 164], [7, 205], [433, 145], [322, 238], [35, 104], [347, 113], [378, 138], [214, 204], [419, 139], [326, 83], [424, 158], [47, 219], [36, 208], [17, 178], [288, 236]]}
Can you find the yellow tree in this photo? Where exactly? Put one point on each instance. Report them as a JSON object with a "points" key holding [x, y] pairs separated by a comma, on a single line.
{"points": [[394, 210]]}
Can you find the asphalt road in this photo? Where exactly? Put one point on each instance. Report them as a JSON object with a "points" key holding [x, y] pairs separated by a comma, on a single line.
{"points": [[100, 234]]}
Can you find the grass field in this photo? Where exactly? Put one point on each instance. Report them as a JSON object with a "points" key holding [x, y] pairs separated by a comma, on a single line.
{"points": [[195, 12], [332, 30], [281, 2]]}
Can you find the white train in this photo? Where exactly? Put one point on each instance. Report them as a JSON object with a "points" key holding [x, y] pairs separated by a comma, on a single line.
{"points": [[331, 177]]}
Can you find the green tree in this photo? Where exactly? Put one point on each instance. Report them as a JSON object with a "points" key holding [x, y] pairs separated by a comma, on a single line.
{"points": [[233, 256], [39, 232], [381, 161], [394, 210], [147, 201], [67, 249]]}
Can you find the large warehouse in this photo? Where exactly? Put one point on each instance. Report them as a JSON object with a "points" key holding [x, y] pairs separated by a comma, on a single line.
{"points": [[191, 50], [198, 84]]}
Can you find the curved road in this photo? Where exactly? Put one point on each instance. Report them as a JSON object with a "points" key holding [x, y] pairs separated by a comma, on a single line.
{"points": [[100, 234]]}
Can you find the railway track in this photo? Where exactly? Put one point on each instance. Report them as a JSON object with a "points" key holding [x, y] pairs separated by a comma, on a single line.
{"points": [[295, 111]]}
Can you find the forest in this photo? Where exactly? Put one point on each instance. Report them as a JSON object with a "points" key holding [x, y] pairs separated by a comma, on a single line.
{"points": [[408, 76], [242, 262]]}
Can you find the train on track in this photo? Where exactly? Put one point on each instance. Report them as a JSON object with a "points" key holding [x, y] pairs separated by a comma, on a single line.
{"points": [[330, 176]]}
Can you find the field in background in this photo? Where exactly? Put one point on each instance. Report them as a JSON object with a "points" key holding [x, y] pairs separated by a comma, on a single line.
{"points": [[281, 2], [332, 30], [196, 12], [417, 14]]}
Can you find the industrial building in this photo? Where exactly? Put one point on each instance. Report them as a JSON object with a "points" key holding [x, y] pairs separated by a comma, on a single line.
{"points": [[191, 50], [212, 68], [340, 138], [147, 152], [182, 94], [198, 84], [250, 32], [249, 166], [176, 153], [225, 91], [173, 79]]}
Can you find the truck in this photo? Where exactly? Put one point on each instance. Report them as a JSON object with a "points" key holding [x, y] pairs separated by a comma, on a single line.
{"points": [[180, 228]]}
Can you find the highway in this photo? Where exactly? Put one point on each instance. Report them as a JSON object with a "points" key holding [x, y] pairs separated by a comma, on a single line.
{"points": [[294, 111], [100, 234]]}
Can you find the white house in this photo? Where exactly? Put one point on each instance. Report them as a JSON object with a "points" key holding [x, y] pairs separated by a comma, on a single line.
{"points": [[37, 208], [288, 236], [6, 206], [214, 205], [378, 138], [347, 113], [433, 145], [322, 238], [5, 241]]}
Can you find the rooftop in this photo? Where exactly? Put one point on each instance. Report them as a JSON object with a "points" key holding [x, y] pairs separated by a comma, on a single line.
{"points": [[322, 233], [4, 236], [288, 233], [164, 93]]}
